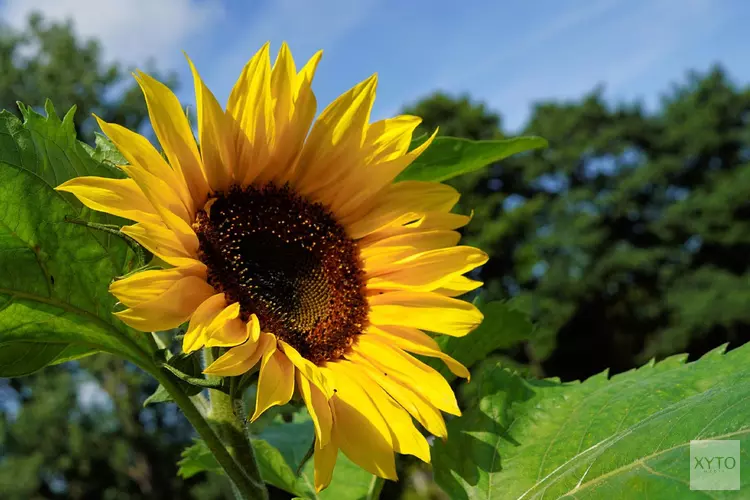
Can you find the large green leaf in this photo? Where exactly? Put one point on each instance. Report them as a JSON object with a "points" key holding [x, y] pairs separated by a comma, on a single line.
{"points": [[625, 437], [54, 274], [503, 327], [449, 157]]}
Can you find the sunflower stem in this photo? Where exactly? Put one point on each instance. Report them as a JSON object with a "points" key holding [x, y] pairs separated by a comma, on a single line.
{"points": [[251, 487], [232, 431], [227, 415], [376, 486]]}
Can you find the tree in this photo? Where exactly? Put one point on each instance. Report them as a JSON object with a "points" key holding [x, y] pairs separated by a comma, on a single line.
{"points": [[628, 237], [47, 60], [84, 434]]}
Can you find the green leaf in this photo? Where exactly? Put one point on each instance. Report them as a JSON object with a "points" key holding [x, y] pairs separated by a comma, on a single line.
{"points": [[503, 327], [349, 480], [603, 438], [196, 459], [54, 275], [160, 395], [24, 358], [186, 372], [105, 152], [292, 439], [449, 157], [281, 448], [275, 470]]}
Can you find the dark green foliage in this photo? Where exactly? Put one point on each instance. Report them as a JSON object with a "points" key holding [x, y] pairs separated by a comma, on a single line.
{"points": [[629, 236], [75, 434]]}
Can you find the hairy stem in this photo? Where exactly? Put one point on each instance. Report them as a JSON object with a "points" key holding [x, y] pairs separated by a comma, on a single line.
{"points": [[227, 415], [250, 486]]}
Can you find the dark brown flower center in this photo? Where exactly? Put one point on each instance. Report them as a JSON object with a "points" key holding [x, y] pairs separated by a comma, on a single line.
{"points": [[288, 261]]}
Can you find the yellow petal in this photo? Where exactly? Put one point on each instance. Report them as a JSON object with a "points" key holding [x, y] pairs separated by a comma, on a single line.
{"points": [[307, 368], [215, 131], [203, 316], [157, 180], [170, 309], [428, 222], [401, 203], [418, 342], [175, 136], [419, 408], [241, 359], [426, 271], [120, 197], [283, 77], [216, 324], [404, 245], [406, 438], [381, 254], [458, 285], [390, 138], [251, 107], [324, 460], [359, 429], [290, 138], [333, 148], [163, 243], [365, 183], [149, 285], [253, 328], [275, 383], [407, 370], [426, 311], [166, 204], [227, 329], [317, 406]]}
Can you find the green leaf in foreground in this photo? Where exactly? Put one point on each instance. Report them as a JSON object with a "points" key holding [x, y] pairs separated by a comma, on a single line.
{"points": [[197, 458], [53, 274], [620, 438], [502, 327], [449, 157], [106, 152]]}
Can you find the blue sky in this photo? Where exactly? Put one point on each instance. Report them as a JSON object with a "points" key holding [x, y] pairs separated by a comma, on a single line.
{"points": [[506, 53]]}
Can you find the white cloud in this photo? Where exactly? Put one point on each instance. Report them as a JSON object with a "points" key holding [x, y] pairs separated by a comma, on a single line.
{"points": [[131, 31]]}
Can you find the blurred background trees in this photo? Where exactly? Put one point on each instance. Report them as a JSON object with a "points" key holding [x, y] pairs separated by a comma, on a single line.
{"points": [[47, 60], [628, 238]]}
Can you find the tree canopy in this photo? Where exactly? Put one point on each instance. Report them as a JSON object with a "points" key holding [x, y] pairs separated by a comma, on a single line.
{"points": [[47, 60], [628, 237]]}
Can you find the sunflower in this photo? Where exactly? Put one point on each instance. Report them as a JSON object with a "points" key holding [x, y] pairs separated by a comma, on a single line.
{"points": [[288, 244]]}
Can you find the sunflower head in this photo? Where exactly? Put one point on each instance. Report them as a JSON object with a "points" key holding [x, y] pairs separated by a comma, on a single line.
{"points": [[288, 261], [288, 244]]}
